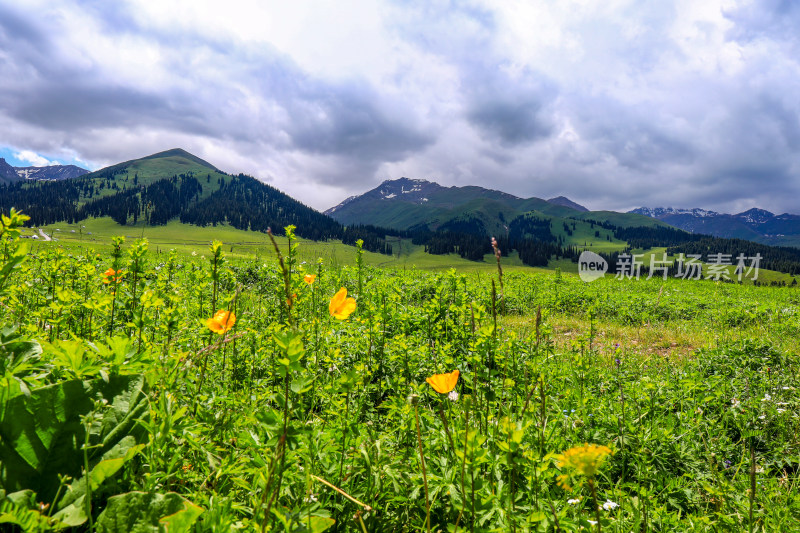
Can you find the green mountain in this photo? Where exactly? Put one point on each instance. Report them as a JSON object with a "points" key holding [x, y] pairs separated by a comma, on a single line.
{"points": [[413, 204], [175, 184]]}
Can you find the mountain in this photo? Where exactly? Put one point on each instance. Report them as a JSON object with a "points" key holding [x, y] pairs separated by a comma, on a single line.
{"points": [[171, 185], [8, 174], [566, 202], [756, 225], [52, 172], [406, 204]]}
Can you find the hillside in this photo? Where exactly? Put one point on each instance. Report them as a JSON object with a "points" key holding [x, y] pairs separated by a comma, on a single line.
{"points": [[406, 203], [421, 205], [175, 185]]}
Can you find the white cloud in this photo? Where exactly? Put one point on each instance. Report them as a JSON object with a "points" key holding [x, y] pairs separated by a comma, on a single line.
{"points": [[33, 158]]}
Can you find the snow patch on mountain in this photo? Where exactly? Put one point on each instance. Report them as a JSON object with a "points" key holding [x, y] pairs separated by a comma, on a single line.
{"points": [[656, 212]]}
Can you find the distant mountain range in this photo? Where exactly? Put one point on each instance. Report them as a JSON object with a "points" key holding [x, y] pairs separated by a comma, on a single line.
{"points": [[9, 174], [176, 185], [754, 224]]}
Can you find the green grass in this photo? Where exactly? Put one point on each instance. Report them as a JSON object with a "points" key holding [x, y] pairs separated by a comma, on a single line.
{"points": [[188, 239], [241, 244], [293, 420]]}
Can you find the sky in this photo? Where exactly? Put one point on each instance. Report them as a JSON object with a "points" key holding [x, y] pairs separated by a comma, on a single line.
{"points": [[615, 104]]}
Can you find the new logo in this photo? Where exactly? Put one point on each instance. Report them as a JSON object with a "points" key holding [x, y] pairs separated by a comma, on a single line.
{"points": [[591, 266]]}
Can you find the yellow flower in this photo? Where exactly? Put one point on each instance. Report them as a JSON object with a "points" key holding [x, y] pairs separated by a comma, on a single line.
{"points": [[586, 460], [341, 306], [309, 278], [221, 322], [443, 383]]}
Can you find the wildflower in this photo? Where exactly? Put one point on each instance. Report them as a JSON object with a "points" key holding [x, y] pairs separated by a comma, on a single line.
{"points": [[592, 522], [454, 397], [443, 383], [766, 398], [221, 322], [586, 460], [341, 306], [309, 278], [574, 501], [112, 275], [617, 361], [610, 506]]}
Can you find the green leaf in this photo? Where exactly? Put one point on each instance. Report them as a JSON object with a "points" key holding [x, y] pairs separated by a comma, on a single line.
{"points": [[71, 506], [41, 436], [302, 384], [140, 512], [318, 524], [19, 509]]}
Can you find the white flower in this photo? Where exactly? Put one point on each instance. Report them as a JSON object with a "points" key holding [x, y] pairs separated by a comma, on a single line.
{"points": [[592, 522], [781, 410], [609, 505], [194, 253], [311, 498], [766, 398], [573, 501], [453, 396]]}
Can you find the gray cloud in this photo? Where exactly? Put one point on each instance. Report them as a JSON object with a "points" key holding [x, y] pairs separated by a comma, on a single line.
{"points": [[612, 107], [513, 116]]}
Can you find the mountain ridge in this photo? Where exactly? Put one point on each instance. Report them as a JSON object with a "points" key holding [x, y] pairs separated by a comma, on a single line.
{"points": [[11, 174], [414, 204], [755, 224]]}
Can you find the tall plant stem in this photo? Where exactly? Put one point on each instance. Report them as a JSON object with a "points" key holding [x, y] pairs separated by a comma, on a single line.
{"points": [[594, 502], [424, 473]]}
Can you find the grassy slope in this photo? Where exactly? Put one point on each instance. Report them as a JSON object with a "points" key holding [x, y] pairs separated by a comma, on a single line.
{"points": [[461, 203], [152, 169], [187, 239]]}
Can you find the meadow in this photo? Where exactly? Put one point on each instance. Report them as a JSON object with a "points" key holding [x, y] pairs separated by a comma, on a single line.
{"points": [[153, 385]]}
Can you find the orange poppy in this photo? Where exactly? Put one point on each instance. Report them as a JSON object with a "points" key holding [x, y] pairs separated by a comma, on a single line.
{"points": [[309, 278], [341, 306], [443, 383], [112, 275], [221, 322]]}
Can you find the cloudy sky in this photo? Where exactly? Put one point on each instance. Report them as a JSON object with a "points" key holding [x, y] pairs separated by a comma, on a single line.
{"points": [[615, 104]]}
